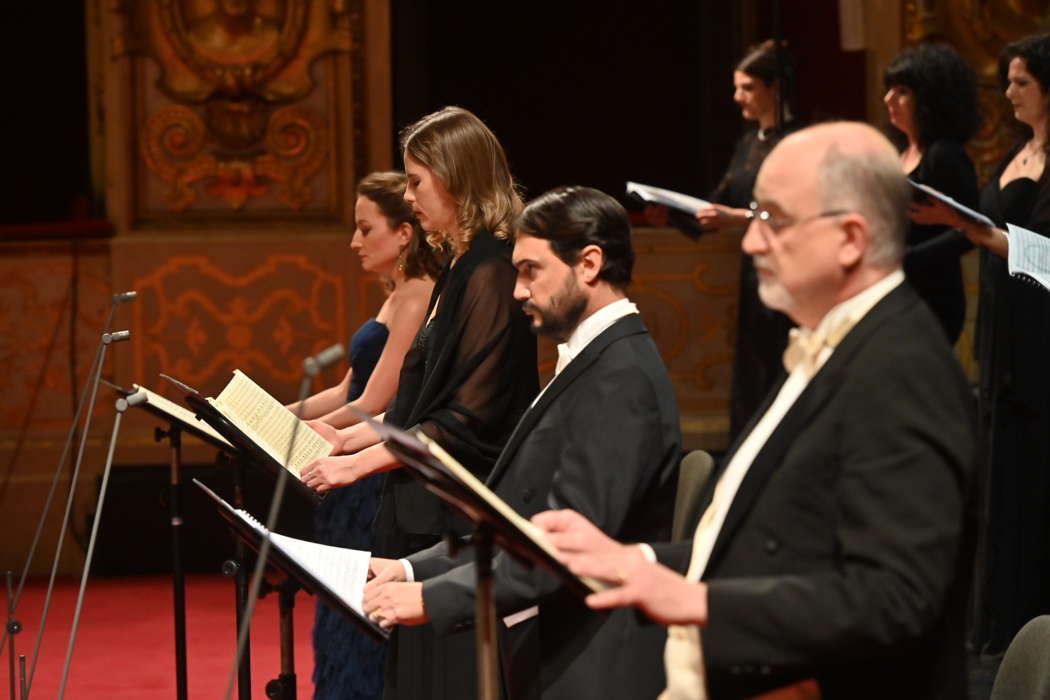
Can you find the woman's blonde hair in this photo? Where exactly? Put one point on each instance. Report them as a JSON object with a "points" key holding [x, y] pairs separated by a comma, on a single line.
{"points": [[469, 160]]}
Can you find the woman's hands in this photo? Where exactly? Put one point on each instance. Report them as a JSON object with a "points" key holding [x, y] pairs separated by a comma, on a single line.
{"points": [[718, 217]]}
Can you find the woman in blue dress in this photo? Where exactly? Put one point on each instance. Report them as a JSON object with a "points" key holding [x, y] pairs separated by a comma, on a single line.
{"points": [[391, 244]]}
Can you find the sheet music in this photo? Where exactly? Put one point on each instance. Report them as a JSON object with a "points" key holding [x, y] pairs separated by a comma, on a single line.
{"points": [[670, 198], [1028, 255], [343, 571], [179, 412], [268, 423]]}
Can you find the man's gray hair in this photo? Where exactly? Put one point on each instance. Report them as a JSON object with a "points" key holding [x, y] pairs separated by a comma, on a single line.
{"points": [[871, 184]]}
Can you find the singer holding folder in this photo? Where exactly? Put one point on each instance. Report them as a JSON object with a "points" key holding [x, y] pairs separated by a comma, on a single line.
{"points": [[467, 378], [391, 243], [931, 101], [761, 79], [1013, 344]]}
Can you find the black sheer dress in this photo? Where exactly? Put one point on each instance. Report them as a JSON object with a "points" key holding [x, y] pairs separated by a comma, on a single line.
{"points": [[931, 261], [466, 380], [761, 333], [1013, 351]]}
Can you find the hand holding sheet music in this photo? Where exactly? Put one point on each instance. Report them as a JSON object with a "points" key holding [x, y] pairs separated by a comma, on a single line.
{"points": [[669, 198], [932, 207], [1029, 256]]}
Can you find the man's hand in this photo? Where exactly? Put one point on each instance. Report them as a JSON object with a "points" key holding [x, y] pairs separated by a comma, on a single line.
{"points": [[572, 534], [382, 571], [395, 603], [661, 593], [329, 473]]}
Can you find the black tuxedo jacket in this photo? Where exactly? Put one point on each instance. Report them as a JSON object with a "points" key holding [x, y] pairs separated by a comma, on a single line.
{"points": [[603, 439], [846, 553]]}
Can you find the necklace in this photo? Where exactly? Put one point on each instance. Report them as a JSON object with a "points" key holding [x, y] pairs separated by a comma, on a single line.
{"points": [[1030, 151]]}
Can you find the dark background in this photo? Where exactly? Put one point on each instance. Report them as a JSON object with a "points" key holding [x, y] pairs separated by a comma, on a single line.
{"points": [[586, 92]]}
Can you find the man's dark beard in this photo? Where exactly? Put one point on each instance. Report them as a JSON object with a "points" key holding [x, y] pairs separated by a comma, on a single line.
{"points": [[560, 319]]}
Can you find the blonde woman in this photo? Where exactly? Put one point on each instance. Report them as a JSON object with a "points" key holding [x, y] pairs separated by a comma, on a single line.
{"points": [[466, 380]]}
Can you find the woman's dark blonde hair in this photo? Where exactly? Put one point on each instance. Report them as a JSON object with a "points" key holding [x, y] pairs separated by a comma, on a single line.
{"points": [[387, 190], [461, 151]]}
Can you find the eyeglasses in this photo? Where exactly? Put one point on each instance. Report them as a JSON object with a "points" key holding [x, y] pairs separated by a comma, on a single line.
{"points": [[776, 224]]}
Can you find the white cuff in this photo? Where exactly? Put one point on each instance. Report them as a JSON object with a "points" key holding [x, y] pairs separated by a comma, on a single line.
{"points": [[410, 575], [648, 552]]}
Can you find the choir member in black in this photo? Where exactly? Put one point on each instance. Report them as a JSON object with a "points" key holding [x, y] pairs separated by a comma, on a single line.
{"points": [[1013, 344], [466, 380], [931, 99], [764, 76], [391, 243]]}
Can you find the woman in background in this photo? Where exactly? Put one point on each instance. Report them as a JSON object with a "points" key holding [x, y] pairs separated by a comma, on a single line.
{"points": [[763, 78], [1013, 344], [931, 100], [391, 244], [467, 379]]}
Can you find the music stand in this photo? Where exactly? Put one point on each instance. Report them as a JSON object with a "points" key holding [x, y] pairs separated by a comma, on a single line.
{"points": [[494, 522], [180, 421], [248, 448], [281, 560]]}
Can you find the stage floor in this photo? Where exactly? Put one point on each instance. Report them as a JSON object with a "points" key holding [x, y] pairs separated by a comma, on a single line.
{"points": [[125, 649]]}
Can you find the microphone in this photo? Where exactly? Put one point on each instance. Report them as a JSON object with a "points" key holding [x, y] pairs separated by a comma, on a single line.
{"points": [[125, 296], [313, 365], [117, 337]]}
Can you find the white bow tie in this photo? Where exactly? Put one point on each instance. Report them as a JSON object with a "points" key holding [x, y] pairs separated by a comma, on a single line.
{"points": [[804, 346]]}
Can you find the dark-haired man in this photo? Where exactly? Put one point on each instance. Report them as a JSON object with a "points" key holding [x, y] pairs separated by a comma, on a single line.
{"points": [[601, 438]]}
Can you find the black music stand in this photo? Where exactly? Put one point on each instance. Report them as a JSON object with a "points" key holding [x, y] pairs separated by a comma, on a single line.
{"points": [[181, 421], [293, 569], [494, 523], [247, 447]]}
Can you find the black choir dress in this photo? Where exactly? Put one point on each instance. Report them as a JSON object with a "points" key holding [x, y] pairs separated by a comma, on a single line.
{"points": [[931, 261], [467, 379], [761, 333], [1013, 347], [347, 664]]}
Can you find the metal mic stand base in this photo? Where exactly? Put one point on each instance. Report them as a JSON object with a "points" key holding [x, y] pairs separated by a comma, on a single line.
{"points": [[237, 569], [284, 687]]}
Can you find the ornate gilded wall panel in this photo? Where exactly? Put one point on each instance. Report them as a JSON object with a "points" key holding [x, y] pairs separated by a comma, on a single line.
{"points": [[687, 294], [255, 303], [242, 107], [979, 29]]}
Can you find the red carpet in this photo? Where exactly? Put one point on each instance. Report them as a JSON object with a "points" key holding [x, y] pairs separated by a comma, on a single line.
{"points": [[125, 649]]}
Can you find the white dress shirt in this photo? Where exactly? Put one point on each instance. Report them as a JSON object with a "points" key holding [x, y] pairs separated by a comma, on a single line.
{"points": [[683, 656], [585, 332]]}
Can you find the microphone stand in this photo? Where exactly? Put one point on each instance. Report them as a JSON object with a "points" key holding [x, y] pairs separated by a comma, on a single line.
{"points": [[12, 628], [116, 300], [311, 367], [107, 340], [174, 436], [122, 405]]}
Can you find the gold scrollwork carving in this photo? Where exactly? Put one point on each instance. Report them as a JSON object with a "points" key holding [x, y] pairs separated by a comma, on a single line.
{"points": [[294, 141], [235, 69], [173, 142]]}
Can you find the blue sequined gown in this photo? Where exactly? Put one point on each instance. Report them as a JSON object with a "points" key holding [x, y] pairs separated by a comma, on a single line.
{"points": [[348, 665]]}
